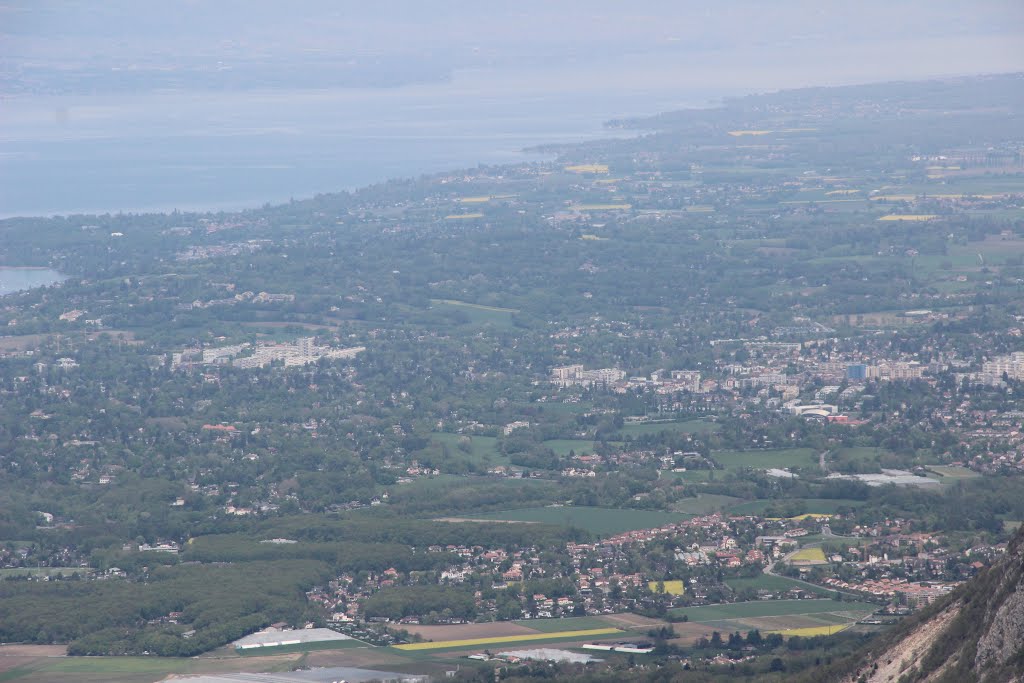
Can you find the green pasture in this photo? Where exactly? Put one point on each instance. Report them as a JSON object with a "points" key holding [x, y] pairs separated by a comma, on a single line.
{"points": [[685, 426], [770, 582], [601, 521], [769, 458], [770, 608], [817, 506]]}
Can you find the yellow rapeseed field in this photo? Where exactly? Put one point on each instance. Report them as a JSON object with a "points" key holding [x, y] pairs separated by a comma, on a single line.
{"points": [[812, 631], [470, 642], [671, 587], [908, 217], [587, 168]]}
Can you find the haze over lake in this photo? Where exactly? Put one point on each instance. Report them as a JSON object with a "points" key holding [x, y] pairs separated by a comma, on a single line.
{"points": [[19, 279], [181, 150]]}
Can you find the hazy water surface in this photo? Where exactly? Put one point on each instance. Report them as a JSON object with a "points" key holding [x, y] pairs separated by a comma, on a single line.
{"points": [[167, 150], [19, 279]]}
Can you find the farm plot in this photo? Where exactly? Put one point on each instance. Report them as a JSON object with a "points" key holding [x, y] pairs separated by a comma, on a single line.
{"points": [[37, 665], [953, 472], [769, 608], [564, 446], [770, 582], [704, 503], [671, 587], [479, 449], [808, 556], [686, 427], [602, 521], [767, 459], [473, 643], [464, 631], [565, 624], [477, 314], [780, 616]]}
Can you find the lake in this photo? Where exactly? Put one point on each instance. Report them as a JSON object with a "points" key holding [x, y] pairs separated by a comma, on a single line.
{"points": [[19, 279], [161, 151]]}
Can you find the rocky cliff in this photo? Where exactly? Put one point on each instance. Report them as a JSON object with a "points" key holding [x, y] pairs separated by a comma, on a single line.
{"points": [[975, 635]]}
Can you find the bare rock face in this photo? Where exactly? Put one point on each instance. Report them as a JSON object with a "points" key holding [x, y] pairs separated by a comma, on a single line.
{"points": [[975, 636], [1004, 638]]}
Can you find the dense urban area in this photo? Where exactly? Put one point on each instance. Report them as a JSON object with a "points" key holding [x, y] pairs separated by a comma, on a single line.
{"points": [[732, 396]]}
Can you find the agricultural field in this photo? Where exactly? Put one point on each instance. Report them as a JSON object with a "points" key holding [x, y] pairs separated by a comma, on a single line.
{"points": [[808, 556], [671, 587], [587, 168], [781, 616], [811, 631], [601, 207], [47, 664], [769, 458], [858, 454], [480, 449], [462, 216], [692, 475], [601, 521], [577, 446], [565, 624], [704, 503], [951, 474], [473, 643], [908, 217], [817, 506], [771, 582], [302, 647], [11, 572], [685, 426], [476, 313]]}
